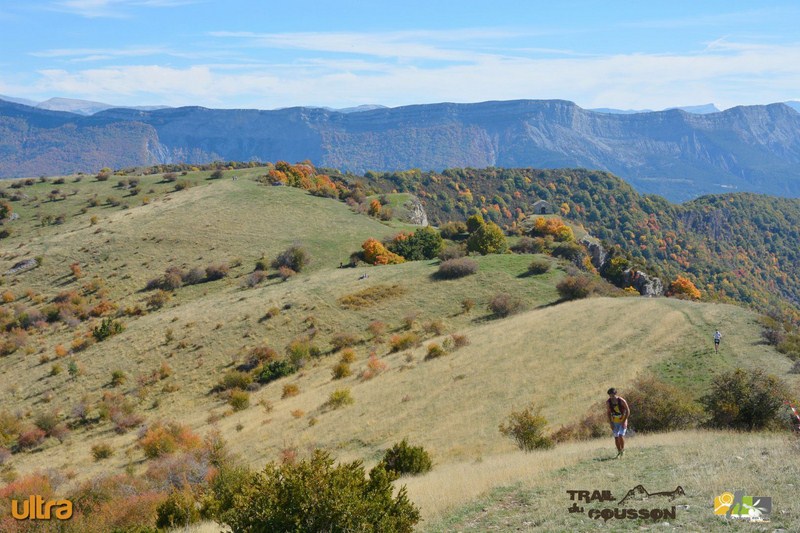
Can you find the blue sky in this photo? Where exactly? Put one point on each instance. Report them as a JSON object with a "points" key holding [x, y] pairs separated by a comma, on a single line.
{"points": [[267, 54]]}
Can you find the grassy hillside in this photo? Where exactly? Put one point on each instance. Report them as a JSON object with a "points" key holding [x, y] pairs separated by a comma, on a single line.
{"points": [[169, 360]]}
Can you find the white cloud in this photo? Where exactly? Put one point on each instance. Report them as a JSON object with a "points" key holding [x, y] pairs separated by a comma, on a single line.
{"points": [[112, 8], [80, 54], [395, 69], [447, 45]]}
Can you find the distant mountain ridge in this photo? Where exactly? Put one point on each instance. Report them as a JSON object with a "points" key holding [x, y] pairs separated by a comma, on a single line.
{"points": [[703, 109], [673, 153]]}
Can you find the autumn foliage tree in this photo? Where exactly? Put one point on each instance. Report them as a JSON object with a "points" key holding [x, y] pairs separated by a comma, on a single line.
{"points": [[552, 226], [683, 288], [375, 253], [374, 208]]}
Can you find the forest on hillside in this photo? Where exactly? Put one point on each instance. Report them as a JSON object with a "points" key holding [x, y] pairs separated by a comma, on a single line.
{"points": [[734, 247]]}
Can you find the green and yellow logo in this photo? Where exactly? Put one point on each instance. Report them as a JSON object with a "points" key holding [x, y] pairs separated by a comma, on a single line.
{"points": [[738, 506]]}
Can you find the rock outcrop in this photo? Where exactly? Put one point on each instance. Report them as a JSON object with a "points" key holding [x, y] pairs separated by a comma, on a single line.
{"points": [[596, 252], [646, 285], [416, 212]]}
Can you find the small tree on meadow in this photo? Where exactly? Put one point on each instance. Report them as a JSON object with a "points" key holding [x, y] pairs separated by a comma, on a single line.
{"points": [[526, 427], [487, 239], [402, 459], [294, 257], [745, 399]]}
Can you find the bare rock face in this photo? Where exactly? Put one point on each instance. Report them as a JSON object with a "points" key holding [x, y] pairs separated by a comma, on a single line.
{"points": [[596, 252], [416, 212], [646, 285]]}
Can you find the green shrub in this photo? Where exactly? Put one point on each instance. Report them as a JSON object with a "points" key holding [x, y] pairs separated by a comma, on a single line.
{"points": [[102, 451], [9, 429], [317, 495], [475, 222], [660, 406], [402, 459], [229, 482], [276, 370], [451, 230], [504, 304], [178, 510], [235, 379], [341, 370], [745, 399], [434, 351], [456, 268], [118, 378], [424, 243], [158, 299], [487, 239], [594, 425], [571, 251], [539, 266], [526, 427], [299, 351], [339, 398], [295, 258], [107, 328], [528, 245], [452, 251], [47, 421], [404, 341], [239, 399], [575, 287]]}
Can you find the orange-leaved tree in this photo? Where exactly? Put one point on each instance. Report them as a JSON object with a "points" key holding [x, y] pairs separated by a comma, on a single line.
{"points": [[376, 253], [683, 288]]}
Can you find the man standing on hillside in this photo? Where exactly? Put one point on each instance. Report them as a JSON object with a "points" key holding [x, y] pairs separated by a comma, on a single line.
{"points": [[618, 413], [717, 339]]}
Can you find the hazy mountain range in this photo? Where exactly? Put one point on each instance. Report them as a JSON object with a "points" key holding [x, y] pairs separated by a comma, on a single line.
{"points": [[674, 153]]}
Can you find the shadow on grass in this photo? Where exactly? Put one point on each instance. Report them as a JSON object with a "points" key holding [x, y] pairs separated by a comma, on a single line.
{"points": [[604, 459]]}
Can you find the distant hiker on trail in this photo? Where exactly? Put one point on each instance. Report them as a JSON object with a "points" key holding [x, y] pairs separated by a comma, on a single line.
{"points": [[618, 413], [717, 338]]}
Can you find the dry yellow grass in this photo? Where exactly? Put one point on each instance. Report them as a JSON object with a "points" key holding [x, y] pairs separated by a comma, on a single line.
{"points": [[705, 463], [563, 357]]}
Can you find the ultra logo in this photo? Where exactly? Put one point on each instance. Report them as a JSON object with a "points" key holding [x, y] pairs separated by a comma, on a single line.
{"points": [[35, 508]]}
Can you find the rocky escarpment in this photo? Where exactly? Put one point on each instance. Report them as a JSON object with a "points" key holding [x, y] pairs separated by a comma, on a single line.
{"points": [[673, 153], [646, 285]]}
